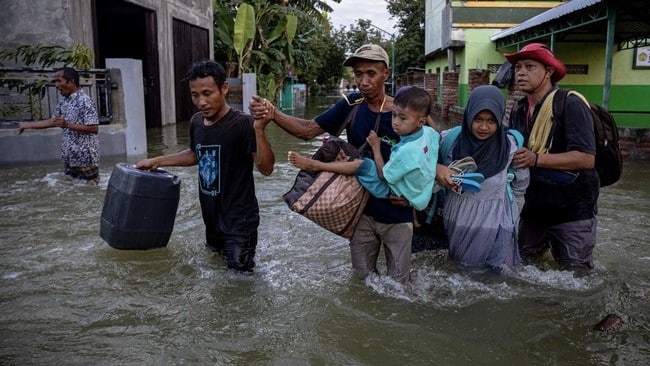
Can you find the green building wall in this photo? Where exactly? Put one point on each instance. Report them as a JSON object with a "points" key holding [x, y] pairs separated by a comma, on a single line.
{"points": [[629, 96]]}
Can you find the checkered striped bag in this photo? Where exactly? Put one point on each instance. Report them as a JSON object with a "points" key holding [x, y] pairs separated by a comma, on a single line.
{"points": [[333, 201]]}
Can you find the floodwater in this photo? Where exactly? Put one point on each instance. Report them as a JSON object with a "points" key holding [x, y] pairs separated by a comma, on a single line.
{"points": [[68, 298]]}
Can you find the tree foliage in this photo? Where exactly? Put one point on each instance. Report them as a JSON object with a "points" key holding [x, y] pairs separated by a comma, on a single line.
{"points": [[295, 39], [40, 56], [363, 32], [408, 38], [321, 66], [410, 15], [79, 56], [278, 45]]}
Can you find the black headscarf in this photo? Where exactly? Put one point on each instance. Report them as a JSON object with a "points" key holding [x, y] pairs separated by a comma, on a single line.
{"points": [[491, 155]]}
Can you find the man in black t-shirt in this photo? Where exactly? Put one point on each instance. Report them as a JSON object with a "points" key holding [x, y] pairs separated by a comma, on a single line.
{"points": [[225, 144], [558, 214]]}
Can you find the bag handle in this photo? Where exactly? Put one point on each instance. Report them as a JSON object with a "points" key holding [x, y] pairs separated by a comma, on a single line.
{"points": [[365, 144], [349, 119]]}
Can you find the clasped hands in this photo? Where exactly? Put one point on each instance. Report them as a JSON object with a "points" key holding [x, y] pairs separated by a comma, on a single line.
{"points": [[262, 110], [58, 121]]}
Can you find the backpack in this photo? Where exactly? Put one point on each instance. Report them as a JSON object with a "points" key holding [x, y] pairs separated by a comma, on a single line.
{"points": [[504, 75], [609, 160]]}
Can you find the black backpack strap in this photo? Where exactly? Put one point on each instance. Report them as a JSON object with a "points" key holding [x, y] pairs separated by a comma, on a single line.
{"points": [[559, 105], [365, 144], [349, 118], [347, 121]]}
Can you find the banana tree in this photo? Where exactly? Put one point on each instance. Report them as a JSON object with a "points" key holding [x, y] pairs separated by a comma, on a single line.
{"points": [[224, 27], [41, 56], [276, 53], [244, 33], [267, 53], [79, 56], [263, 36]]}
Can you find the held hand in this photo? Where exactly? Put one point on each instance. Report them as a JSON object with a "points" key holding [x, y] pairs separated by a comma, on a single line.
{"points": [[59, 122], [524, 158], [256, 105], [261, 109], [443, 175], [147, 164], [398, 201], [373, 139]]}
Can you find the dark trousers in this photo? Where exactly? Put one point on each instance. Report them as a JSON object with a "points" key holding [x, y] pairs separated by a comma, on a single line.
{"points": [[571, 243], [238, 250]]}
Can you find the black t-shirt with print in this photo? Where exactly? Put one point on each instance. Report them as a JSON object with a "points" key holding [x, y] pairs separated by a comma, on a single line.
{"points": [[225, 172]]}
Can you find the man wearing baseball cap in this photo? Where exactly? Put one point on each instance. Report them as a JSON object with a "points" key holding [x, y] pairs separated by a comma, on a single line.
{"points": [[385, 222], [558, 213], [368, 52]]}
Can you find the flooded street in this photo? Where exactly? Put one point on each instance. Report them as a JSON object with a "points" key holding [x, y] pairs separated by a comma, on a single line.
{"points": [[68, 298]]}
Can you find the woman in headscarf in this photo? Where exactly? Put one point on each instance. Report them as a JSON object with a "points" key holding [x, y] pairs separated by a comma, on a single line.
{"points": [[481, 225]]}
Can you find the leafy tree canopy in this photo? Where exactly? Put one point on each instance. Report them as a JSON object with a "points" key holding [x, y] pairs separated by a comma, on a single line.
{"points": [[295, 38], [410, 43], [271, 38]]}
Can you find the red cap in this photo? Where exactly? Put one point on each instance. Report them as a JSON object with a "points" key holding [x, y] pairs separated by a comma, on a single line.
{"points": [[540, 53]]}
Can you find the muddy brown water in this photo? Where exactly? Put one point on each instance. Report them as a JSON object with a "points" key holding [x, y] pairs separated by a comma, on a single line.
{"points": [[68, 298]]}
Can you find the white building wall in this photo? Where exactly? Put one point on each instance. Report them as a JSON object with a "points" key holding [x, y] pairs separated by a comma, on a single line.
{"points": [[67, 22]]}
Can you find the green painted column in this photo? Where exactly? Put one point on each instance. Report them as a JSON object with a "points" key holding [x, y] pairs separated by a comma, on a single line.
{"points": [[609, 53]]}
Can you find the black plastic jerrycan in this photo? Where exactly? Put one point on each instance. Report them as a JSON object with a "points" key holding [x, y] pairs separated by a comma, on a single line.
{"points": [[139, 208]]}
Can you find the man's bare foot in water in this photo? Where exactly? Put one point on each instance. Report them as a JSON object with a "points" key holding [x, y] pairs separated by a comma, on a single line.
{"points": [[301, 162]]}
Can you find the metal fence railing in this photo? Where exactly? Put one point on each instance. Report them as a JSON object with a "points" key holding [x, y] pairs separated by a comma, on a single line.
{"points": [[28, 94]]}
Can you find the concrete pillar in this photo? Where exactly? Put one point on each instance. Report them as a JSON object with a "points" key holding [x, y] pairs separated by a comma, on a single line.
{"points": [[449, 92], [512, 98], [418, 78], [133, 87], [249, 88], [432, 85], [241, 91], [478, 77]]}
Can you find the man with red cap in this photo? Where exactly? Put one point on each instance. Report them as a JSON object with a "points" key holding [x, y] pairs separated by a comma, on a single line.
{"points": [[560, 203]]}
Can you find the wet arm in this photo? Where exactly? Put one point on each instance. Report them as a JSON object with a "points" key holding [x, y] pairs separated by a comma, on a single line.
{"points": [[298, 127], [379, 161], [182, 158], [570, 160], [264, 157], [60, 122], [46, 123]]}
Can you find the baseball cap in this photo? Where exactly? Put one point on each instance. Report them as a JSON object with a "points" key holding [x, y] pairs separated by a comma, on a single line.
{"points": [[540, 53], [370, 52]]}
